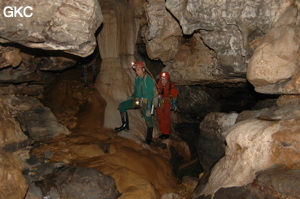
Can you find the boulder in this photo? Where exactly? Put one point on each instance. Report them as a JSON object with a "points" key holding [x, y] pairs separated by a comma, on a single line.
{"points": [[256, 144], [163, 34], [36, 121], [58, 181], [10, 56], [13, 184], [10, 131], [211, 141], [274, 67], [54, 25], [272, 183]]}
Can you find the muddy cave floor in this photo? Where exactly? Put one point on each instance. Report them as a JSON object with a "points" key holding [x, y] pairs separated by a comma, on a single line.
{"points": [[138, 170]]}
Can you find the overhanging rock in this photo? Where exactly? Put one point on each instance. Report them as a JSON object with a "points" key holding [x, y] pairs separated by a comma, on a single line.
{"points": [[68, 26]]}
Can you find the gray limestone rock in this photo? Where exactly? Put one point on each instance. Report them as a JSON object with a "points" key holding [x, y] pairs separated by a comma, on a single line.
{"points": [[274, 67], [37, 121], [54, 25], [58, 181], [211, 142], [269, 184], [259, 143]]}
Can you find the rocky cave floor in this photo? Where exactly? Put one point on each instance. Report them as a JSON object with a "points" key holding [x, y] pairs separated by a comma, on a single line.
{"points": [[139, 170]]}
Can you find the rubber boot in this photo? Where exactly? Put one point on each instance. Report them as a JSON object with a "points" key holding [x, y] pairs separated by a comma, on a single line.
{"points": [[125, 123], [149, 135], [164, 136]]}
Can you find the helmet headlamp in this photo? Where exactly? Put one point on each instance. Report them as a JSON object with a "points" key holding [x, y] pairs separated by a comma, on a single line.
{"points": [[138, 64], [164, 75], [133, 65]]}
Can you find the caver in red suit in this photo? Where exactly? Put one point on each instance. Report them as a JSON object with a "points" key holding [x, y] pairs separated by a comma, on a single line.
{"points": [[168, 101]]}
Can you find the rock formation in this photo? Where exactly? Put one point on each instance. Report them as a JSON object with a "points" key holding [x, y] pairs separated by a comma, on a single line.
{"points": [[262, 141], [58, 181], [54, 25], [10, 57], [229, 34], [13, 184], [211, 142], [118, 33], [22, 119], [274, 67]]}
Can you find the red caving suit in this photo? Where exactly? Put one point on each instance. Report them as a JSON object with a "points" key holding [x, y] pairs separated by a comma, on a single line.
{"points": [[163, 111]]}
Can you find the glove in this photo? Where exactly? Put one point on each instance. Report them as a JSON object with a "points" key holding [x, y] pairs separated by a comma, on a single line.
{"points": [[148, 113], [174, 106]]}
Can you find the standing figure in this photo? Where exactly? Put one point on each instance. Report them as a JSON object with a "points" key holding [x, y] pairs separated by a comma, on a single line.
{"points": [[141, 98], [168, 102]]}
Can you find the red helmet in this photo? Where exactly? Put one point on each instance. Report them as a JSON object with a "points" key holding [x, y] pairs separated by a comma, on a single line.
{"points": [[138, 64], [164, 75]]}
